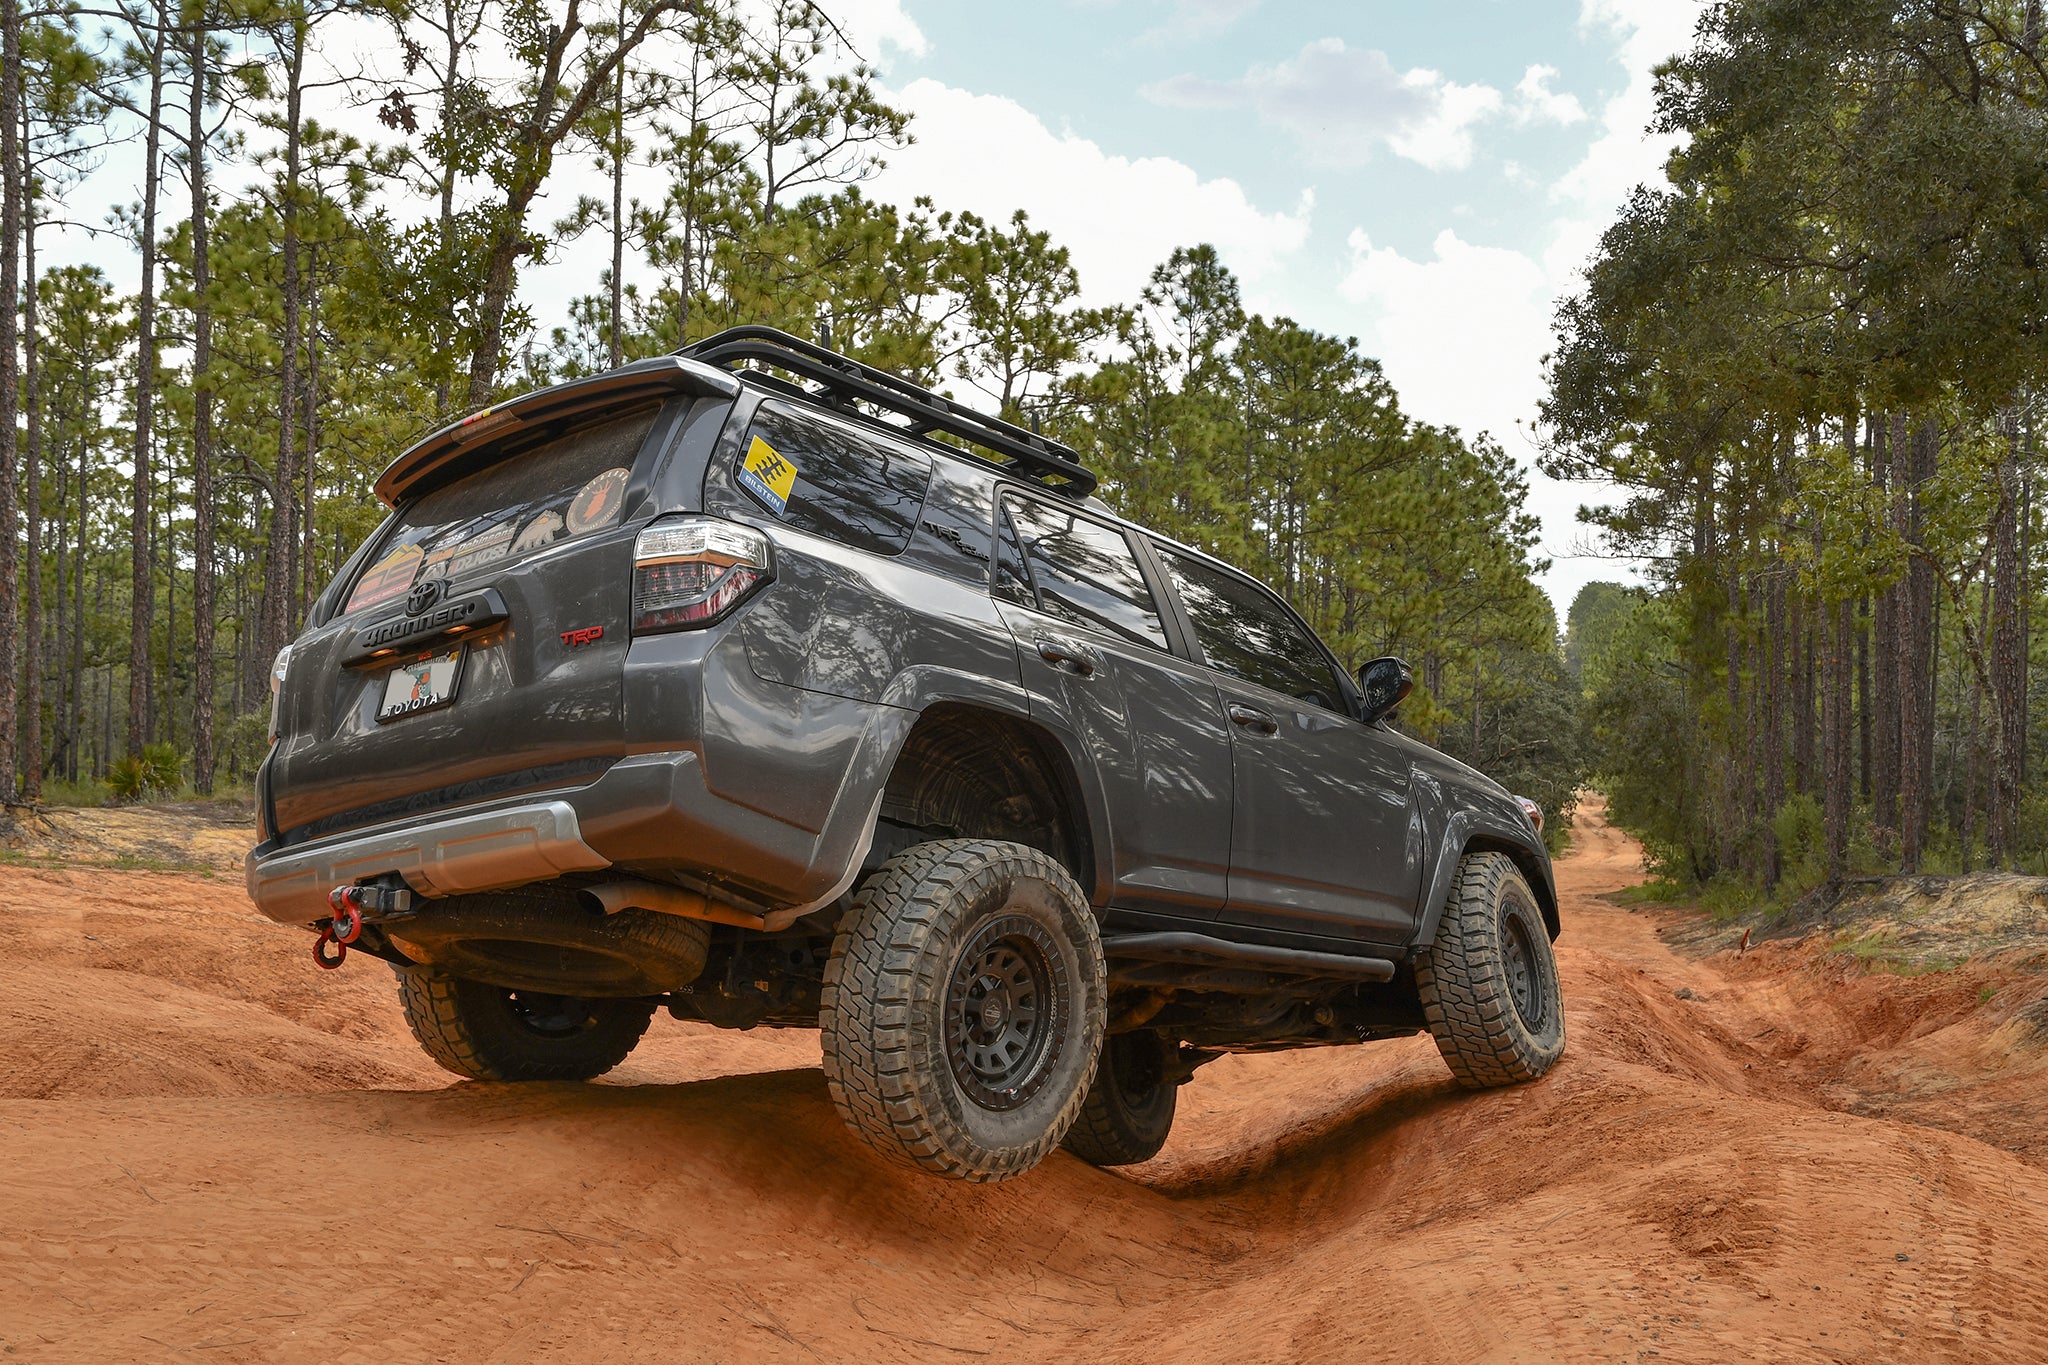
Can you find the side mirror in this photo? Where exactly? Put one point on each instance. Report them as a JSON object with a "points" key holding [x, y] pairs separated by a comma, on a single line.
{"points": [[1386, 683]]}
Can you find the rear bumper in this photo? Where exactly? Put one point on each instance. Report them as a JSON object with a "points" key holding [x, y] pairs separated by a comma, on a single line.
{"points": [[647, 814], [478, 852]]}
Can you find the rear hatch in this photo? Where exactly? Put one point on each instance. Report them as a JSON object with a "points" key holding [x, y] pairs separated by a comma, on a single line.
{"points": [[478, 650]]}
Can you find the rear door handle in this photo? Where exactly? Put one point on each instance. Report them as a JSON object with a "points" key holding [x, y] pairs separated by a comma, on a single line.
{"points": [[1253, 719], [1068, 657]]}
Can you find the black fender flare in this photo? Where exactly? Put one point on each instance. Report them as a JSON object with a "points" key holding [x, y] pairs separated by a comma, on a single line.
{"points": [[921, 687], [1472, 828]]}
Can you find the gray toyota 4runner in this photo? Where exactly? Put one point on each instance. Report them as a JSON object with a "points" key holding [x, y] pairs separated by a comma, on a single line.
{"points": [[768, 688]]}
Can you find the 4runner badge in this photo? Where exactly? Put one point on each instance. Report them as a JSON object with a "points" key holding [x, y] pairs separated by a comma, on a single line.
{"points": [[767, 475], [582, 636]]}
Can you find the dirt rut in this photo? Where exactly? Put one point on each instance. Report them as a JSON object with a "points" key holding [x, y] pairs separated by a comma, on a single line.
{"points": [[207, 1147]]}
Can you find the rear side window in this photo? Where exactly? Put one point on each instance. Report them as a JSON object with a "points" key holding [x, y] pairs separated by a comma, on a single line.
{"points": [[563, 488], [1246, 632], [829, 479], [1083, 571]]}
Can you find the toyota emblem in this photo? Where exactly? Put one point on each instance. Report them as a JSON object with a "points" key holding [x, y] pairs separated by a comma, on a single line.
{"points": [[424, 594]]}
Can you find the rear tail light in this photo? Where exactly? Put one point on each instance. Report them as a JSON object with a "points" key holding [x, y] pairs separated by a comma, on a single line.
{"points": [[692, 571], [277, 671]]}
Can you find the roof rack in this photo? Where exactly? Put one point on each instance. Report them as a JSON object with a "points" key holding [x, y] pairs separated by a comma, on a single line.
{"points": [[843, 379]]}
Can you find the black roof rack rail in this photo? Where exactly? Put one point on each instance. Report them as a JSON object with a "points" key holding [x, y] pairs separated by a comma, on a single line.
{"points": [[843, 379]]}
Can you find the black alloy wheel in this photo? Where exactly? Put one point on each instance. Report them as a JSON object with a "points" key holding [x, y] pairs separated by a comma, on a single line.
{"points": [[1005, 1012], [963, 1008]]}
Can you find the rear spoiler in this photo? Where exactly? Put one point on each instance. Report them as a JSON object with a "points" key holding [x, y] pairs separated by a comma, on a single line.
{"points": [[460, 448]]}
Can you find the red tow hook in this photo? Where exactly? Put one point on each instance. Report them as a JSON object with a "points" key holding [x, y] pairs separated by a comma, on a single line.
{"points": [[348, 924], [320, 949], [348, 913]]}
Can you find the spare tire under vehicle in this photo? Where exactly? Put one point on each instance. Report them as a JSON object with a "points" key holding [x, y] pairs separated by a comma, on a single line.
{"points": [[491, 1033], [553, 939], [963, 1008]]}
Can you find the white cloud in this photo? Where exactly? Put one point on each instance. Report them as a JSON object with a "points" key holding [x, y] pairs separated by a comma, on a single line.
{"points": [[1200, 19], [1457, 332], [1536, 102], [1119, 216], [1463, 330], [874, 26], [1344, 103], [1624, 155]]}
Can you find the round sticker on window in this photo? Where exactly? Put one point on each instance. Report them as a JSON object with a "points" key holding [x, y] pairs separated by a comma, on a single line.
{"points": [[540, 531], [597, 503]]}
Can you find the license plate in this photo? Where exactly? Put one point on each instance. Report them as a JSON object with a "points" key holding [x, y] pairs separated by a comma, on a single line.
{"points": [[421, 685]]}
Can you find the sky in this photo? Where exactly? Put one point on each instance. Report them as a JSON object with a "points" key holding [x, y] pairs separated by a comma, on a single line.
{"points": [[1426, 178]]}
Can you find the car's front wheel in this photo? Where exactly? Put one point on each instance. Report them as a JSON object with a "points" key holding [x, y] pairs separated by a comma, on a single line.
{"points": [[963, 1008], [1488, 979]]}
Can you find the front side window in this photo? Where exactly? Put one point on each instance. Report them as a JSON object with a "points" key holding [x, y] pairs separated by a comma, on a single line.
{"points": [[1084, 571], [1246, 632], [826, 478]]}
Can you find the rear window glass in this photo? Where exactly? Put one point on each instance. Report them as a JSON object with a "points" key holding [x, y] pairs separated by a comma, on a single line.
{"points": [[829, 479], [561, 489]]}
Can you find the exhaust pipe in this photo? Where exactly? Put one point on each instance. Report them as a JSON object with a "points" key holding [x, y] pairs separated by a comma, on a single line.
{"points": [[674, 900]]}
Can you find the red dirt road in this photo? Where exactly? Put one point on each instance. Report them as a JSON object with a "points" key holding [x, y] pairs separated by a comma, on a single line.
{"points": [[210, 1149]]}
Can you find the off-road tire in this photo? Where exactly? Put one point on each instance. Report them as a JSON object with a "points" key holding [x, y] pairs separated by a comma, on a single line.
{"points": [[1488, 979], [910, 1057], [549, 937], [1129, 1110], [490, 1033]]}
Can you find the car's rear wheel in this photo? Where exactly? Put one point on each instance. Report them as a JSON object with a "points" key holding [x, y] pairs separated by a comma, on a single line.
{"points": [[1488, 979], [1129, 1110], [963, 1008], [494, 1033]]}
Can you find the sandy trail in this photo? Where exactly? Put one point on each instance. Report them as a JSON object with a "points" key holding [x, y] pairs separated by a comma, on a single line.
{"points": [[208, 1147]]}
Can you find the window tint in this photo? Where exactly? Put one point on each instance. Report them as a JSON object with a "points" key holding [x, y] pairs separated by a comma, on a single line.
{"points": [[563, 488], [1013, 581], [1085, 571], [1245, 631], [827, 478]]}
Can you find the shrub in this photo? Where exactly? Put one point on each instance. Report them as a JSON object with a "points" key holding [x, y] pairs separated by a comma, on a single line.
{"points": [[156, 771]]}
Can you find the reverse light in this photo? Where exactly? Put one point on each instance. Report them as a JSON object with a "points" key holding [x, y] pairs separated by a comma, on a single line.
{"points": [[277, 668], [1533, 811], [691, 571]]}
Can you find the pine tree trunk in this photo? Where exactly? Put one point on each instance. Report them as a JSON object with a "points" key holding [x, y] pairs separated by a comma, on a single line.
{"points": [[202, 431], [1773, 706], [141, 581], [1916, 661], [31, 746], [309, 444], [1863, 699], [1885, 649], [79, 712], [2002, 636], [12, 159], [277, 559], [1799, 627], [1835, 732], [618, 352]]}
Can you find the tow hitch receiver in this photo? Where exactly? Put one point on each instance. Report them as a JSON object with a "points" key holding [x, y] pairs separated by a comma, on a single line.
{"points": [[356, 906]]}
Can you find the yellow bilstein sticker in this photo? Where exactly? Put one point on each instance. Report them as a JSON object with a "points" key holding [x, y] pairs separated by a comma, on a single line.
{"points": [[767, 475]]}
